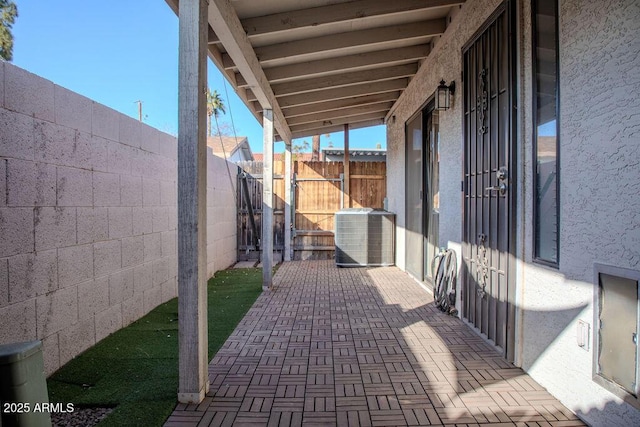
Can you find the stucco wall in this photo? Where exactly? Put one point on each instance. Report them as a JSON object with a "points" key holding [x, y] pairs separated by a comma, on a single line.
{"points": [[599, 201], [444, 62], [87, 217], [600, 173]]}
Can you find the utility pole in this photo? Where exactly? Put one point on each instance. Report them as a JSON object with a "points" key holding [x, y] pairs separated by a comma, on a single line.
{"points": [[139, 109]]}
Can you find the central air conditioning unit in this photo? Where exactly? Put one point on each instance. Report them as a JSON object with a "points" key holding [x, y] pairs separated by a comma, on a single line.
{"points": [[364, 237]]}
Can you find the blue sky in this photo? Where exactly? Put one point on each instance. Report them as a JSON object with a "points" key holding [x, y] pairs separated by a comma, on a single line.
{"points": [[120, 51]]}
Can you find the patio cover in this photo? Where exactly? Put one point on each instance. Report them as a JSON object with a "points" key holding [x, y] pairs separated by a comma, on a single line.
{"points": [[322, 64], [302, 68]]}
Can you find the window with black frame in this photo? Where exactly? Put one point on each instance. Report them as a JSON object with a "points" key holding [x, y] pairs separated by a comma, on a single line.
{"points": [[545, 138]]}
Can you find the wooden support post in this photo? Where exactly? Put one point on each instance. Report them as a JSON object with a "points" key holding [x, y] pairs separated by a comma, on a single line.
{"points": [[287, 203], [192, 186], [347, 175], [267, 200]]}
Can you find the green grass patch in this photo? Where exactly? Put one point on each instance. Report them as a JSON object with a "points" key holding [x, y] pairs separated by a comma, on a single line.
{"points": [[135, 369]]}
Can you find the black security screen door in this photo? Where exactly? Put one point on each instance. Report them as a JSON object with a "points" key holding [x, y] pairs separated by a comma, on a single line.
{"points": [[489, 187]]}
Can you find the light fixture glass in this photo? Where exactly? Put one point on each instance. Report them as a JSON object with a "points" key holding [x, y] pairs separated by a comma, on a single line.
{"points": [[443, 95]]}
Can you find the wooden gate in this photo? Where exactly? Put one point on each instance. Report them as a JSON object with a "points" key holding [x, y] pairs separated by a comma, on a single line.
{"points": [[489, 184], [249, 190], [317, 195]]}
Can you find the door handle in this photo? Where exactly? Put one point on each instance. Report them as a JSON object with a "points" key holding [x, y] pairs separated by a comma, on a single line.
{"points": [[502, 188]]}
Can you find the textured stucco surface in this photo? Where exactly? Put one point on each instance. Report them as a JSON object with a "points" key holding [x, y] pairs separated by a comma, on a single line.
{"points": [[600, 204], [88, 217], [444, 62], [600, 134], [600, 174]]}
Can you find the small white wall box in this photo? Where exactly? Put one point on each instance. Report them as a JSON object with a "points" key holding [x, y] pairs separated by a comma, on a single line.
{"points": [[582, 334]]}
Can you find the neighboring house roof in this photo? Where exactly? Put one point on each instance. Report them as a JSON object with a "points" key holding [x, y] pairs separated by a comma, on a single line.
{"points": [[547, 147], [355, 152], [331, 152], [372, 154], [230, 147], [305, 157]]}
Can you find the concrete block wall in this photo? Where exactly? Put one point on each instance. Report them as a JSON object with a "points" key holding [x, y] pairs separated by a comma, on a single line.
{"points": [[221, 213], [88, 217]]}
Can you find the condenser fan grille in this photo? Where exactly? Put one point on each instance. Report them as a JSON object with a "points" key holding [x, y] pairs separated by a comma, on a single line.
{"points": [[364, 237]]}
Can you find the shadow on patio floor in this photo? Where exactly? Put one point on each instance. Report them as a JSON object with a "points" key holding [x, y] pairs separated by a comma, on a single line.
{"points": [[362, 347]]}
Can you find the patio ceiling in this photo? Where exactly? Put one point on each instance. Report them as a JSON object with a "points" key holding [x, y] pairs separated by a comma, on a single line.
{"points": [[321, 64]]}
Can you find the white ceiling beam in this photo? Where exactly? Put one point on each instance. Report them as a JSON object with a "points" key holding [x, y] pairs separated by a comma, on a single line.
{"points": [[340, 64], [341, 114], [336, 128], [350, 40], [346, 79], [339, 121], [340, 103], [312, 128], [343, 92], [226, 24], [255, 105], [354, 10], [216, 57], [228, 63], [212, 38], [173, 4]]}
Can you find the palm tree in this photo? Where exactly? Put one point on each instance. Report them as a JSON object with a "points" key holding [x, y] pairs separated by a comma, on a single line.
{"points": [[215, 105], [297, 148], [8, 14]]}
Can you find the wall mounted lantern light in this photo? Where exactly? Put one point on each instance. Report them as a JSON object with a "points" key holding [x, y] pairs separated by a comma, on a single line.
{"points": [[443, 95]]}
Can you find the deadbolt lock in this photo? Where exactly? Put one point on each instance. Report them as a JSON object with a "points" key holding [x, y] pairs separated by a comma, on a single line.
{"points": [[502, 174]]}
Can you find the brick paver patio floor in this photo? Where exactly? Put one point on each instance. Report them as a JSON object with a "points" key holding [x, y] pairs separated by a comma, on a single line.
{"points": [[362, 347]]}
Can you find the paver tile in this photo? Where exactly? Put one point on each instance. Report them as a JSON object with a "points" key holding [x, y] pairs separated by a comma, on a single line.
{"points": [[362, 347]]}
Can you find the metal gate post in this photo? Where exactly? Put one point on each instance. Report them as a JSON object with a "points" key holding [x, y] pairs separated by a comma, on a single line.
{"points": [[294, 186], [341, 191], [287, 204]]}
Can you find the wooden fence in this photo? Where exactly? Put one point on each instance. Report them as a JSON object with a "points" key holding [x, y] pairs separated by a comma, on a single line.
{"points": [[250, 209], [318, 189]]}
